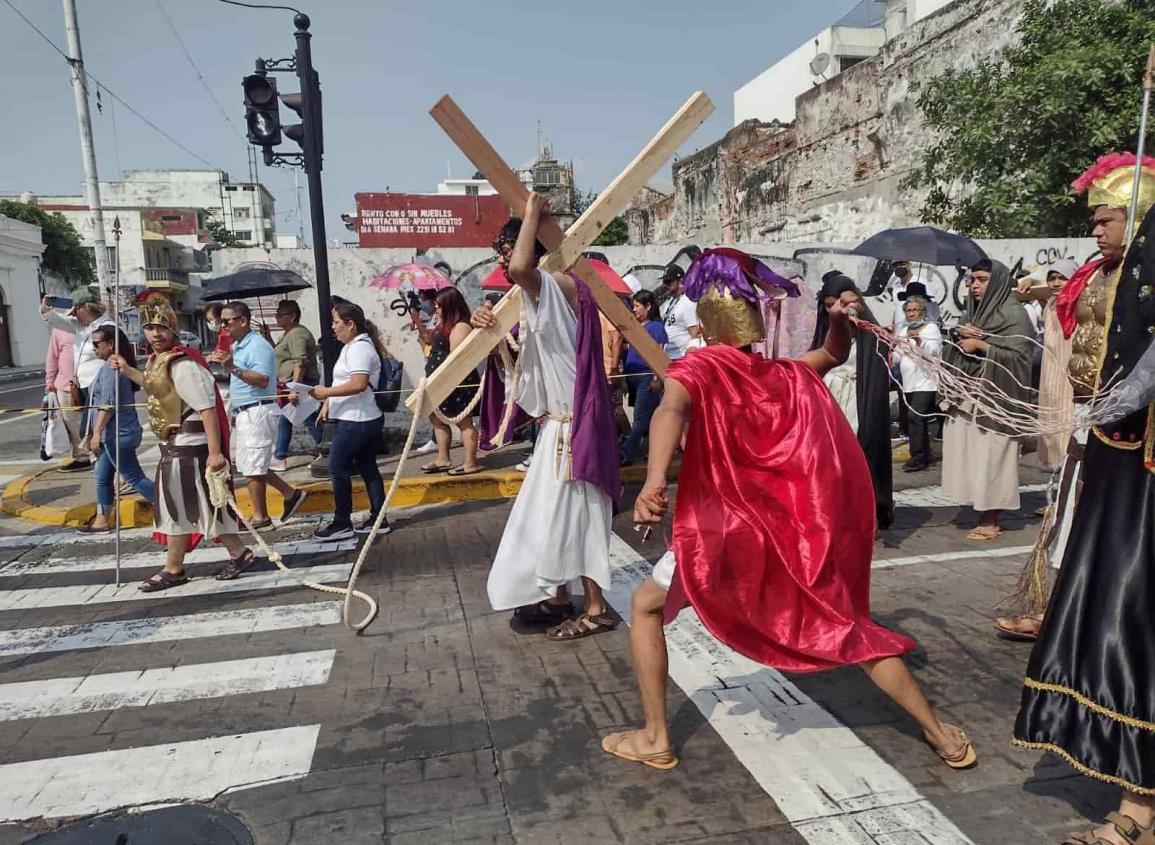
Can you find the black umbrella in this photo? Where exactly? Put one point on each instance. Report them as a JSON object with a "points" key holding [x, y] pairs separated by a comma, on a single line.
{"points": [[924, 245], [251, 283]]}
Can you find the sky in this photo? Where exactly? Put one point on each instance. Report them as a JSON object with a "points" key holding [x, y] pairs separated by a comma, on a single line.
{"points": [[601, 76]]}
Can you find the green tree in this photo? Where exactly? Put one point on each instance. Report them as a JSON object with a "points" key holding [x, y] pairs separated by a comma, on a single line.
{"points": [[220, 235], [616, 233], [64, 255], [1016, 130]]}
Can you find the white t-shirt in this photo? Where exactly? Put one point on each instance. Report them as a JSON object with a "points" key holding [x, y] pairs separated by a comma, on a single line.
{"points": [[680, 315], [357, 356], [916, 377]]}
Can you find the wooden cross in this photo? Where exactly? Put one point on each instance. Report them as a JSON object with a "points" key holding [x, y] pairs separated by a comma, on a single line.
{"points": [[565, 249]]}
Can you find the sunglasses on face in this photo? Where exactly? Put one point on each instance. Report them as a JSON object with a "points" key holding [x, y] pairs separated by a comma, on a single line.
{"points": [[228, 321]]}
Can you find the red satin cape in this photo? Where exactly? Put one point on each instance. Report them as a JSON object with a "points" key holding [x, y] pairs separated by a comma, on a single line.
{"points": [[1069, 295], [222, 424], [774, 524]]}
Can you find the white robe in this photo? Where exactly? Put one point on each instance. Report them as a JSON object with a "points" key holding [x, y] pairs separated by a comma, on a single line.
{"points": [[843, 383], [559, 529]]}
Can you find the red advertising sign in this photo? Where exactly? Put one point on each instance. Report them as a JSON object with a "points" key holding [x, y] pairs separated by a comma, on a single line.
{"points": [[428, 220]]}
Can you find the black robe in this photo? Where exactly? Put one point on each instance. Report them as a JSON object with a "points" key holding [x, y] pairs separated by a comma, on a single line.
{"points": [[872, 389], [1089, 694]]}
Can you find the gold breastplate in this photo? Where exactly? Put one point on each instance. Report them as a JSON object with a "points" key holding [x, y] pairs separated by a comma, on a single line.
{"points": [[164, 403], [1087, 341]]}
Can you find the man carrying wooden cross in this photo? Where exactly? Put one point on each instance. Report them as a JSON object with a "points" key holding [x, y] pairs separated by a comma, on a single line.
{"points": [[559, 528]]}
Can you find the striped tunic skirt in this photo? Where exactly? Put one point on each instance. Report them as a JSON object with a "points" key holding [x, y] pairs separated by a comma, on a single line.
{"points": [[182, 502]]}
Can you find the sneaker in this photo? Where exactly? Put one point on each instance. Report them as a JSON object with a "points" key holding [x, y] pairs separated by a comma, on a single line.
{"points": [[76, 465], [293, 504], [367, 526], [426, 449], [278, 465], [333, 531], [523, 466], [915, 466]]}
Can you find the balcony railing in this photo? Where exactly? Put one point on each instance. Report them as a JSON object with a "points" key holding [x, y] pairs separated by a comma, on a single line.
{"points": [[164, 278]]}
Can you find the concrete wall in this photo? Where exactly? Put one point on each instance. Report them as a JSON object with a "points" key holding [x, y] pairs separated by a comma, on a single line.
{"points": [[836, 174], [20, 250], [351, 271]]}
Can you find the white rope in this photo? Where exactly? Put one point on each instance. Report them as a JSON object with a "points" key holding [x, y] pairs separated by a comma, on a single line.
{"points": [[221, 496], [468, 408]]}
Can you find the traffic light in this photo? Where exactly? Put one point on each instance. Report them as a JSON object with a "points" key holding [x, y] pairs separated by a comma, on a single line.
{"points": [[309, 122], [262, 112]]}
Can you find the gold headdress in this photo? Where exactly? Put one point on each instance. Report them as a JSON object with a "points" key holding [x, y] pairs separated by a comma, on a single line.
{"points": [[156, 310], [1111, 180], [729, 286], [729, 319]]}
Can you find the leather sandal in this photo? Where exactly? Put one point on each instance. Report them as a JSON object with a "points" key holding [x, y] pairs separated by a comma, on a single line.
{"points": [[1023, 629], [965, 757], [583, 626], [663, 760], [235, 566], [162, 581]]}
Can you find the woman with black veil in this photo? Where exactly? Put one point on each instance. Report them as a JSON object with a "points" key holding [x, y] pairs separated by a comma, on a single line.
{"points": [[862, 388]]}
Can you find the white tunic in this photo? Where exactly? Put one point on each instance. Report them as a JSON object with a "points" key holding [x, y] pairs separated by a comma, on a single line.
{"points": [[559, 529], [843, 383]]}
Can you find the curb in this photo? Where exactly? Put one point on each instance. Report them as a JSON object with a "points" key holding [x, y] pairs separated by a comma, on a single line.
{"points": [[411, 492]]}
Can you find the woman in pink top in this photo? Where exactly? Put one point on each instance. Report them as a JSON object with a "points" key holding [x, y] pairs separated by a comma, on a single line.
{"points": [[59, 372]]}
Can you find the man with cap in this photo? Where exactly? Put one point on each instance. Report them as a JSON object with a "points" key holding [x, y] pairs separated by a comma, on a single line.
{"points": [[186, 413], [679, 314], [87, 314]]}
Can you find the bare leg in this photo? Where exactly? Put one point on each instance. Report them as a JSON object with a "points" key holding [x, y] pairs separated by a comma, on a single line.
{"points": [[257, 493], [892, 677], [444, 438], [595, 599], [280, 485], [989, 519], [233, 543], [651, 666], [469, 441], [174, 555]]}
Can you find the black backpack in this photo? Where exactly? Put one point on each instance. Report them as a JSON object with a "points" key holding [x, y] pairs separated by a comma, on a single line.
{"points": [[390, 382]]}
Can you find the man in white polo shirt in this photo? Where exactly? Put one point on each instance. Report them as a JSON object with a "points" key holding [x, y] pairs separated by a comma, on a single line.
{"points": [[680, 315], [252, 368]]}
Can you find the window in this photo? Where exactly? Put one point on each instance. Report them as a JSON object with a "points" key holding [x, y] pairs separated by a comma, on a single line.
{"points": [[847, 62], [242, 213], [249, 188], [548, 177], [230, 187], [171, 218], [471, 190], [245, 235]]}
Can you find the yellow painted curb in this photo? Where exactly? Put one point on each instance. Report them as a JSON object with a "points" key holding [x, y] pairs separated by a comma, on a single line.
{"points": [[411, 492]]}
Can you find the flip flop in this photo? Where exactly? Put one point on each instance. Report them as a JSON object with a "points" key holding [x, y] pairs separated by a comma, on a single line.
{"points": [[965, 757], [663, 760], [459, 471], [435, 469], [1014, 628], [981, 534]]}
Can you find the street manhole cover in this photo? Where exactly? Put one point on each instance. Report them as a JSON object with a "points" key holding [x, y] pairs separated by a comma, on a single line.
{"points": [[184, 825]]}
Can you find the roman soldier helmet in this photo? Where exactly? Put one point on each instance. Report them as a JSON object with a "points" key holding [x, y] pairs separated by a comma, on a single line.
{"points": [[1111, 180], [729, 286], [156, 310]]}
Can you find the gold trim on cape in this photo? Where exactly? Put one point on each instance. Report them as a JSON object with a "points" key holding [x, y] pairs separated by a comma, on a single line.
{"points": [[1129, 721], [1083, 769]]}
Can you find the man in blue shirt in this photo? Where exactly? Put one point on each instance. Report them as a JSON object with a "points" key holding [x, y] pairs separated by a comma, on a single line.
{"points": [[252, 368]]}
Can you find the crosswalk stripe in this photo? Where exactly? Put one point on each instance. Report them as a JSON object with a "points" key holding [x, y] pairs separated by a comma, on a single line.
{"points": [[181, 771], [163, 685], [932, 496], [829, 784], [947, 557], [205, 554], [162, 629], [41, 597], [168, 628]]}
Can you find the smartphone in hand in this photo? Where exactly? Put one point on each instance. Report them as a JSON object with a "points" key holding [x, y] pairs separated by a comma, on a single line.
{"points": [[58, 301]]}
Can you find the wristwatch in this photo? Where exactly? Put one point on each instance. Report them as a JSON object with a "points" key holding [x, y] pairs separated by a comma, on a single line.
{"points": [[236, 371]]}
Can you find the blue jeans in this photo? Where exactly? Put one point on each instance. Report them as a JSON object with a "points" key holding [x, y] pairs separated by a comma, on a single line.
{"points": [[646, 400], [130, 470], [354, 450], [285, 434]]}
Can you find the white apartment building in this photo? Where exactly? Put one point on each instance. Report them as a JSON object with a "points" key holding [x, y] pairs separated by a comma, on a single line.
{"points": [[859, 35]]}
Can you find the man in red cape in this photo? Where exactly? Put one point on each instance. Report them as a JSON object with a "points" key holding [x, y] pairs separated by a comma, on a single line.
{"points": [[775, 521], [186, 413]]}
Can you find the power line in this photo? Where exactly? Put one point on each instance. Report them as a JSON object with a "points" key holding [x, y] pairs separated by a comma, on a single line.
{"points": [[111, 93], [200, 76]]}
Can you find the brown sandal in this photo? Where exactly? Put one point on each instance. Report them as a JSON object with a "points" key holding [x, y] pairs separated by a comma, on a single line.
{"points": [[162, 581], [236, 566], [1023, 629], [664, 760], [1131, 830], [965, 757], [583, 626], [985, 532]]}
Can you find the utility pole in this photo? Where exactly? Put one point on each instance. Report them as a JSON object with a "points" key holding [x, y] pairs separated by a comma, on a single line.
{"points": [[91, 180]]}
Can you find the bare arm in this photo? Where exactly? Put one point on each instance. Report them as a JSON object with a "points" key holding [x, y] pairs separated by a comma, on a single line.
{"points": [[836, 349], [57, 320], [120, 365], [213, 436], [666, 428], [356, 383], [522, 270]]}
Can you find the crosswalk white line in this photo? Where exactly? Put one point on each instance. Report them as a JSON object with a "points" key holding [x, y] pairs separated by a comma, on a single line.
{"points": [[947, 557], [42, 597], [163, 685], [163, 629], [832, 787], [69, 538], [181, 771], [932, 496], [205, 554]]}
